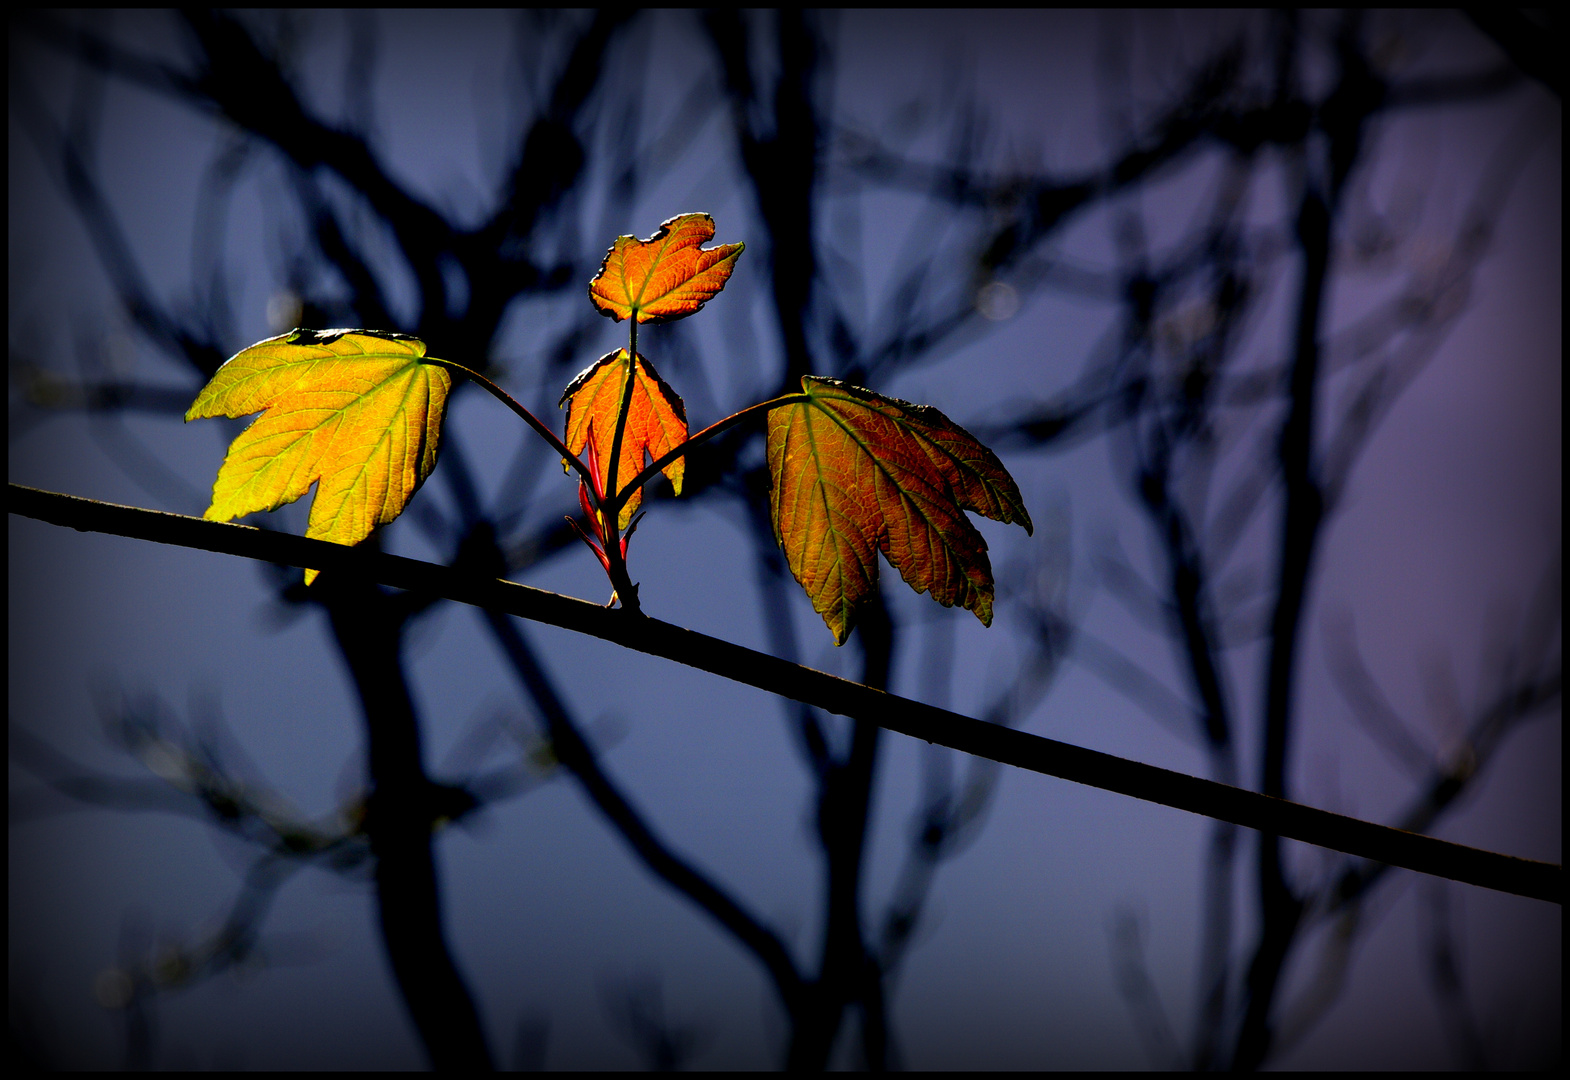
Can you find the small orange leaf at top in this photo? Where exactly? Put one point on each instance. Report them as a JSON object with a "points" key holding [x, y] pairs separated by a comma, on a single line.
{"points": [[357, 412], [668, 276], [656, 421], [855, 473]]}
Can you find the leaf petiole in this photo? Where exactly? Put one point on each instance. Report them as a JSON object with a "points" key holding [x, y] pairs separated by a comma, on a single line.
{"points": [[533, 421], [610, 513], [716, 428], [622, 410]]}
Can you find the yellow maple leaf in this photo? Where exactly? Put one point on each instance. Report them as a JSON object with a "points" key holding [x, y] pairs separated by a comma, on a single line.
{"points": [[357, 412]]}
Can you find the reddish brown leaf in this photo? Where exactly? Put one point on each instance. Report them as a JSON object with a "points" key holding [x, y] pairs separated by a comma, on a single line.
{"points": [[668, 276], [656, 421], [856, 473]]}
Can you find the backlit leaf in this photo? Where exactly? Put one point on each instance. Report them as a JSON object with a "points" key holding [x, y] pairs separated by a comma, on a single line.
{"points": [[668, 276], [358, 411], [656, 421], [856, 473]]}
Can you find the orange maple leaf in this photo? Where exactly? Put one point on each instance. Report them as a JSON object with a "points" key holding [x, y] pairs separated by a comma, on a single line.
{"points": [[668, 276], [656, 422]]}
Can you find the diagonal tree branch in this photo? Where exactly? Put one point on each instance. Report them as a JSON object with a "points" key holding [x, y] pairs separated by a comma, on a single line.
{"points": [[1506, 873]]}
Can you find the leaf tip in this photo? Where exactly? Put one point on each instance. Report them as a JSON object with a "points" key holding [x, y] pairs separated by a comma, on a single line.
{"points": [[1021, 515]]}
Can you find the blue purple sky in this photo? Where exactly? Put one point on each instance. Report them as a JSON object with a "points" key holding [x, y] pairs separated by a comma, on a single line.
{"points": [[1450, 519]]}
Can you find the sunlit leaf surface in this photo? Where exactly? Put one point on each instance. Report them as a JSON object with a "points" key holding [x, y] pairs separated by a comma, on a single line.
{"points": [[356, 412], [856, 473], [656, 421], [668, 276]]}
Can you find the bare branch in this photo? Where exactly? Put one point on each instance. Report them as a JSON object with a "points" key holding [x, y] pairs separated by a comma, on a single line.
{"points": [[1522, 876]]}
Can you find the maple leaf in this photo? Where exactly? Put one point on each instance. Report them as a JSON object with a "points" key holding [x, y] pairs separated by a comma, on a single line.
{"points": [[360, 411], [668, 276], [656, 422], [856, 473]]}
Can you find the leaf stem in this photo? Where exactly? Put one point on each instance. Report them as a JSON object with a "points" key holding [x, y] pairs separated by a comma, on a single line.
{"points": [[621, 414], [610, 510], [716, 428], [533, 421]]}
